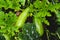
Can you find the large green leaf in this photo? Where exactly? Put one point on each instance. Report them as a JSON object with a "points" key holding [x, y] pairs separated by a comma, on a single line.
{"points": [[29, 32]]}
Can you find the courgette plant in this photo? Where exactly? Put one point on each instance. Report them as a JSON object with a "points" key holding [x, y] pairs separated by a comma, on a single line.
{"points": [[10, 23]]}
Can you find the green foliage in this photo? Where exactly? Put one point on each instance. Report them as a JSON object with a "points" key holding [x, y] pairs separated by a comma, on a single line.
{"points": [[58, 22], [13, 4], [7, 23], [39, 10], [2, 37], [58, 16], [22, 2], [2, 18]]}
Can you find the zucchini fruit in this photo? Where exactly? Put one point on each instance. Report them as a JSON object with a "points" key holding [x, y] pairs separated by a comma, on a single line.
{"points": [[39, 27], [22, 18]]}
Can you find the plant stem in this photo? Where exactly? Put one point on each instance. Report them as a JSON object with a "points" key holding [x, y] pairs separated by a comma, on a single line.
{"points": [[58, 35], [47, 33], [6, 36]]}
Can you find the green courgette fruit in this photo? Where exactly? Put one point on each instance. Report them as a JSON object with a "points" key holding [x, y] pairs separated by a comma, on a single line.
{"points": [[22, 18], [39, 27]]}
